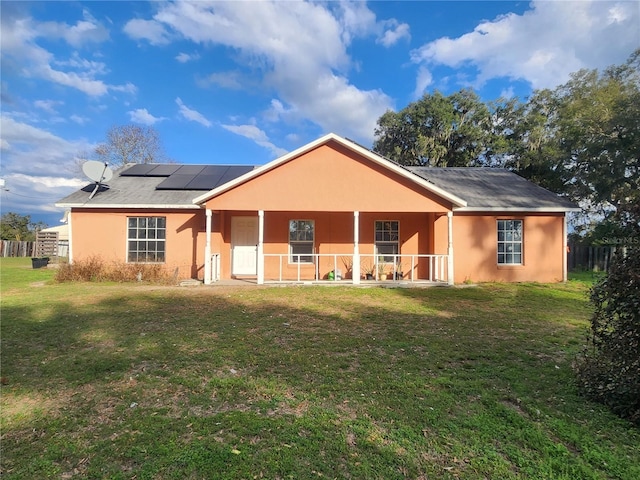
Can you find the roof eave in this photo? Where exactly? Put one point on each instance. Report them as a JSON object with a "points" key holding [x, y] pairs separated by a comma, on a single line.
{"points": [[134, 206], [518, 209]]}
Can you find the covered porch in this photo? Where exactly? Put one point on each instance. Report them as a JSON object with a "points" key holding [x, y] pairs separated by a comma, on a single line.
{"points": [[318, 247]]}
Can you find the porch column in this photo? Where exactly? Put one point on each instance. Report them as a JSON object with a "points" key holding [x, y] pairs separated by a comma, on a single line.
{"points": [[450, 248], [260, 247], [355, 272], [564, 247], [207, 250]]}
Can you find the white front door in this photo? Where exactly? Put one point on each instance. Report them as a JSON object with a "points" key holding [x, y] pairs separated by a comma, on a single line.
{"points": [[244, 245]]}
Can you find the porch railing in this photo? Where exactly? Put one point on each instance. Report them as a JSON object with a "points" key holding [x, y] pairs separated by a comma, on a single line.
{"points": [[337, 266]]}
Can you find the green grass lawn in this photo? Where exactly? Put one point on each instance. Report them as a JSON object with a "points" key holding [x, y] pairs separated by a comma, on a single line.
{"points": [[149, 382]]}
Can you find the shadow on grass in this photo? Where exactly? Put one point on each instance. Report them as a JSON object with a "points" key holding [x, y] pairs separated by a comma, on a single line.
{"points": [[302, 382]]}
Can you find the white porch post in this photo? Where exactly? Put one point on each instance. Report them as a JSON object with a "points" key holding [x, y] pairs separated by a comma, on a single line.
{"points": [[207, 250], [260, 247], [450, 280], [564, 247], [355, 272]]}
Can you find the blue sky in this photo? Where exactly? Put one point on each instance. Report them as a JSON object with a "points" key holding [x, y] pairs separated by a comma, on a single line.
{"points": [[244, 82]]}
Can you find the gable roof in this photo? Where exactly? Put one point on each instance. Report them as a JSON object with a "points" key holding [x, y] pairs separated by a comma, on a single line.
{"points": [[332, 137], [494, 189], [171, 186]]}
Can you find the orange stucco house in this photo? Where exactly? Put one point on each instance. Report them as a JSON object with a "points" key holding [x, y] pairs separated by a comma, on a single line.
{"points": [[331, 210]]}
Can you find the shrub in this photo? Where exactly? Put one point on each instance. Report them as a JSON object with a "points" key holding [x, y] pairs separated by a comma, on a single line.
{"points": [[95, 269], [608, 370]]}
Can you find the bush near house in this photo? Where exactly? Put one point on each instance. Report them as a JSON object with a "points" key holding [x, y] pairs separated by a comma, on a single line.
{"points": [[95, 269], [609, 369]]}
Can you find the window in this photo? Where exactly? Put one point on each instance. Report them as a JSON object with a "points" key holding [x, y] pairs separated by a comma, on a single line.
{"points": [[301, 241], [146, 239], [387, 239], [509, 242]]}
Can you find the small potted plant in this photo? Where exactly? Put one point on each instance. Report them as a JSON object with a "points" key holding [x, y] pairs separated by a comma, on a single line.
{"points": [[382, 274], [369, 270], [399, 272]]}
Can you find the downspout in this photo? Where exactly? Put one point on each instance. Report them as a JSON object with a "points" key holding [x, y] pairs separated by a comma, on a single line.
{"points": [[355, 269], [70, 237], [450, 279], [564, 247], [260, 247], [207, 250]]}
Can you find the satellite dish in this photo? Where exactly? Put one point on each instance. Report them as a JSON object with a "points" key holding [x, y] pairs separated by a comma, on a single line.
{"points": [[98, 172]]}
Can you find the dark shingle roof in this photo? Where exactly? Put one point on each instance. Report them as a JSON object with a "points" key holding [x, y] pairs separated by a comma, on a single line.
{"points": [[176, 186], [492, 189], [155, 186]]}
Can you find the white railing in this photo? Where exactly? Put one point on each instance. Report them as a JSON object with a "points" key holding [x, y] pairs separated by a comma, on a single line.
{"points": [[215, 267], [337, 266]]}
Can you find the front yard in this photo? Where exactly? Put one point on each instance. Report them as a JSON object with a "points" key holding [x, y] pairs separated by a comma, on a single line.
{"points": [[141, 381]]}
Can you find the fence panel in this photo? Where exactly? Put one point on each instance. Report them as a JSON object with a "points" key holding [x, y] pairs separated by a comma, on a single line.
{"points": [[13, 248], [593, 258]]}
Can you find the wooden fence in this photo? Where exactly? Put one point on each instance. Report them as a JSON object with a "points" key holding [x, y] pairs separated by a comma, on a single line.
{"points": [[46, 248], [591, 258], [13, 248]]}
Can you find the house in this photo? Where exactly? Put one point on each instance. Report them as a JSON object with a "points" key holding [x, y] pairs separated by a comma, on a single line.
{"points": [[330, 210]]}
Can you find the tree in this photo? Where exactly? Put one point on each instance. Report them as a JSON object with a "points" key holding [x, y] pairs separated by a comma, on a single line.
{"points": [[599, 124], [453, 131], [14, 226], [131, 144], [608, 370]]}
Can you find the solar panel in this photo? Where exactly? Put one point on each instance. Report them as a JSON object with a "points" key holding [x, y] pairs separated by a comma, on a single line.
{"points": [[203, 182], [163, 170], [234, 172], [175, 182], [189, 170], [138, 170], [199, 177]]}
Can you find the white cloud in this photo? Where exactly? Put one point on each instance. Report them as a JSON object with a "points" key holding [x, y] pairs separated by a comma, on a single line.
{"points": [[395, 33], [192, 115], [150, 30], [80, 120], [38, 166], [543, 45], [298, 49], [141, 115], [48, 106], [258, 136], [231, 80], [19, 38], [185, 57], [423, 81], [84, 31]]}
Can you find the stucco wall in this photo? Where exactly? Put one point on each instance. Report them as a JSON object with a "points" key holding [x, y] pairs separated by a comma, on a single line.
{"points": [[475, 248], [324, 180], [103, 233]]}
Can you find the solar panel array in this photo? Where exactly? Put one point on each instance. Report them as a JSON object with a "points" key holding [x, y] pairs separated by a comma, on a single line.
{"points": [[188, 177]]}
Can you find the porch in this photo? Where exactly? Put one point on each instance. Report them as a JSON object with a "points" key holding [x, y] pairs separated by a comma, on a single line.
{"points": [[339, 269], [354, 247]]}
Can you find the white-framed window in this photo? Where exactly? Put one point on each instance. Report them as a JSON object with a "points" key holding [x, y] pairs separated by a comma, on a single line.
{"points": [[387, 239], [146, 237], [509, 242], [301, 236]]}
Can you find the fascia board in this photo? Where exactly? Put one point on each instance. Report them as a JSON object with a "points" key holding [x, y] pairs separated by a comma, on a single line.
{"points": [[518, 209], [345, 143], [136, 206]]}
